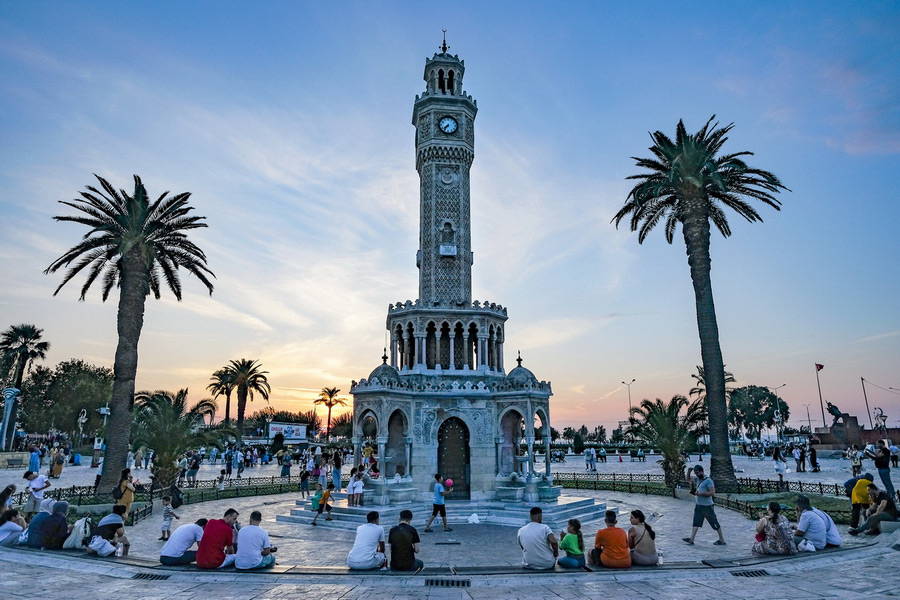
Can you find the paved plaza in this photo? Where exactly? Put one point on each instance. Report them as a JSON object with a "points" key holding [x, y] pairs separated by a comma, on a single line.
{"points": [[322, 551]]}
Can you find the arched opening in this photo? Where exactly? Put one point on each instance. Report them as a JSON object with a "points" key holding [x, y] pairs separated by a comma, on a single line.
{"points": [[397, 355], [445, 346], [512, 429], [459, 346], [472, 347], [441, 83], [450, 83], [410, 347], [395, 459], [453, 456], [431, 345]]}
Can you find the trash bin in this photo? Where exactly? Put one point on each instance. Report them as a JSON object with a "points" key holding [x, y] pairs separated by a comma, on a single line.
{"points": [[77, 460]]}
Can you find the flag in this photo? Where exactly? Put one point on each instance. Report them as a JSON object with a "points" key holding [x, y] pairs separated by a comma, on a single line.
{"points": [[819, 367]]}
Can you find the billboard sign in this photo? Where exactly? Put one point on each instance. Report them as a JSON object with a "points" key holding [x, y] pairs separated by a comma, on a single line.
{"points": [[292, 432]]}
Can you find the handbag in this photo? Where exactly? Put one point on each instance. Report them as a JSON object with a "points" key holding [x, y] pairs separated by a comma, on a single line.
{"points": [[101, 546], [806, 546]]}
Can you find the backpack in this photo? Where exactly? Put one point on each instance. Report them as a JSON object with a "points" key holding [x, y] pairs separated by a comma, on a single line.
{"points": [[177, 496], [118, 492], [81, 530]]}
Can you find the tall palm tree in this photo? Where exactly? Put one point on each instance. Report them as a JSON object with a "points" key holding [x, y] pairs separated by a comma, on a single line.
{"points": [[136, 244], [163, 422], [222, 385], [247, 378], [329, 397], [664, 426], [20, 345], [688, 183]]}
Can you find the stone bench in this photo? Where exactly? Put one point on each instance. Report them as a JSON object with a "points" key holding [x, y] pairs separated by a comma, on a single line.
{"points": [[889, 526], [15, 463]]}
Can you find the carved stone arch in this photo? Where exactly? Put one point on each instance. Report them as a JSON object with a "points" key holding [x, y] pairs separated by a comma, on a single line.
{"points": [[367, 412], [396, 457], [510, 428]]}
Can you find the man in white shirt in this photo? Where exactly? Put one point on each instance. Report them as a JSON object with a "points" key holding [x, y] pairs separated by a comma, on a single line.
{"points": [[539, 545], [810, 526], [254, 551], [368, 549], [176, 550], [36, 485]]}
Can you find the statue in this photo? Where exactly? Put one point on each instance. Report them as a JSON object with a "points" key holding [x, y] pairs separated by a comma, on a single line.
{"points": [[836, 412], [81, 420], [880, 420]]}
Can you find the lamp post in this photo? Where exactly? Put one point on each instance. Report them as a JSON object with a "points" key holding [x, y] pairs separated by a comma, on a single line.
{"points": [[808, 420], [779, 422], [629, 395]]}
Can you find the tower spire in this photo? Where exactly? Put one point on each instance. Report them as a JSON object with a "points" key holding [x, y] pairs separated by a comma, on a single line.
{"points": [[444, 47]]}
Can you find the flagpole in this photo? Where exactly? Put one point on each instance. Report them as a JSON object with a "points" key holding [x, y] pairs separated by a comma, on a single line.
{"points": [[863, 381], [821, 404]]}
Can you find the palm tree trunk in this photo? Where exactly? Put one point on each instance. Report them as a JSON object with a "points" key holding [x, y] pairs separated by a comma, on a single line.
{"points": [[241, 406], [328, 434], [129, 322], [227, 407], [695, 225]]}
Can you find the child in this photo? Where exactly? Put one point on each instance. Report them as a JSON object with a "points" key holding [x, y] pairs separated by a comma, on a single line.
{"points": [[304, 484], [323, 502], [357, 489], [168, 515], [350, 498], [221, 480]]}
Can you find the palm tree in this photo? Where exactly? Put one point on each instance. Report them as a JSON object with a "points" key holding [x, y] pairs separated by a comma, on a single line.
{"points": [[329, 398], [700, 389], [247, 378], [663, 426], [137, 244], [689, 184], [19, 346], [163, 422], [222, 385]]}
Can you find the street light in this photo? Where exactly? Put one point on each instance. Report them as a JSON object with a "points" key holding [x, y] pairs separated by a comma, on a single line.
{"points": [[629, 395], [808, 420], [779, 423]]}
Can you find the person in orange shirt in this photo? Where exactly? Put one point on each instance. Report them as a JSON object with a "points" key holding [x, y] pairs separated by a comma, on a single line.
{"points": [[611, 545]]}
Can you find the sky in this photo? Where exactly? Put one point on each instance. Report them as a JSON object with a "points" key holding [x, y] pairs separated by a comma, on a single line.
{"points": [[289, 123]]}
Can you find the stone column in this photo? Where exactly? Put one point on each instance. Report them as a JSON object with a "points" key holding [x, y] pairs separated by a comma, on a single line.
{"points": [[500, 357], [547, 449], [437, 349], [408, 441], [420, 349], [452, 352], [394, 350], [357, 456]]}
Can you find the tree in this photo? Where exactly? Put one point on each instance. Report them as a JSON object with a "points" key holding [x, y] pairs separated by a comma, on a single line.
{"points": [[247, 378], [222, 385], [599, 434], [136, 244], [751, 408], [663, 425], [699, 389], [342, 426], [163, 422], [311, 419], [578, 444], [329, 397], [688, 183], [57, 397], [20, 345], [569, 433]]}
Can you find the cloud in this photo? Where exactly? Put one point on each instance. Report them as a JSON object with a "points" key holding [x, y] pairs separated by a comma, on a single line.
{"points": [[880, 336]]}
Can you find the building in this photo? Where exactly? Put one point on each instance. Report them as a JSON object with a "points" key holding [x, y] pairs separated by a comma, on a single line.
{"points": [[442, 401]]}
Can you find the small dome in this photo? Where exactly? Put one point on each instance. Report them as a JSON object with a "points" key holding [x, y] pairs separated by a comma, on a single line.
{"points": [[385, 373], [521, 375]]}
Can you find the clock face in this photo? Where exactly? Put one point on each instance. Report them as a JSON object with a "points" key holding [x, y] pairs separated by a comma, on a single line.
{"points": [[448, 125]]}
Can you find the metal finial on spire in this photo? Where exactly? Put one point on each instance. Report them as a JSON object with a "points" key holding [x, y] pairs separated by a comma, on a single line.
{"points": [[519, 360], [444, 47], [384, 356]]}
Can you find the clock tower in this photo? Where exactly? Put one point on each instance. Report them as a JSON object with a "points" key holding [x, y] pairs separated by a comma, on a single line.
{"points": [[444, 118]]}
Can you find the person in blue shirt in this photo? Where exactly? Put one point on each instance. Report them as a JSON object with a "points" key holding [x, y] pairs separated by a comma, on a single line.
{"points": [[438, 506]]}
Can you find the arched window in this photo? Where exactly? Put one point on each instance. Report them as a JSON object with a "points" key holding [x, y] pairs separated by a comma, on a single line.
{"points": [[441, 83], [450, 84]]}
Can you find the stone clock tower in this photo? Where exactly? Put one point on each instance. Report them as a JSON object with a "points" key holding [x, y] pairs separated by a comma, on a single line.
{"points": [[443, 401], [444, 117]]}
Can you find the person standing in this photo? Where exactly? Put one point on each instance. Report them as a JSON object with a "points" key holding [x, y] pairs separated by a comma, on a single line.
{"points": [[216, 547], [36, 486], [704, 507], [254, 550], [404, 541], [895, 455], [138, 459], [611, 545], [368, 548], [814, 459], [321, 502], [438, 506], [167, 516], [882, 457], [538, 544], [194, 461], [337, 463], [126, 487], [34, 462]]}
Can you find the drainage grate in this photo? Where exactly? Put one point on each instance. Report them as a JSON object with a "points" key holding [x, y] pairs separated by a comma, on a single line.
{"points": [[757, 573], [150, 577], [447, 582]]}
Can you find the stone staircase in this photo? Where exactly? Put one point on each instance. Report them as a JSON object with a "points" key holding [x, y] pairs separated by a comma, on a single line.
{"points": [[510, 514]]}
